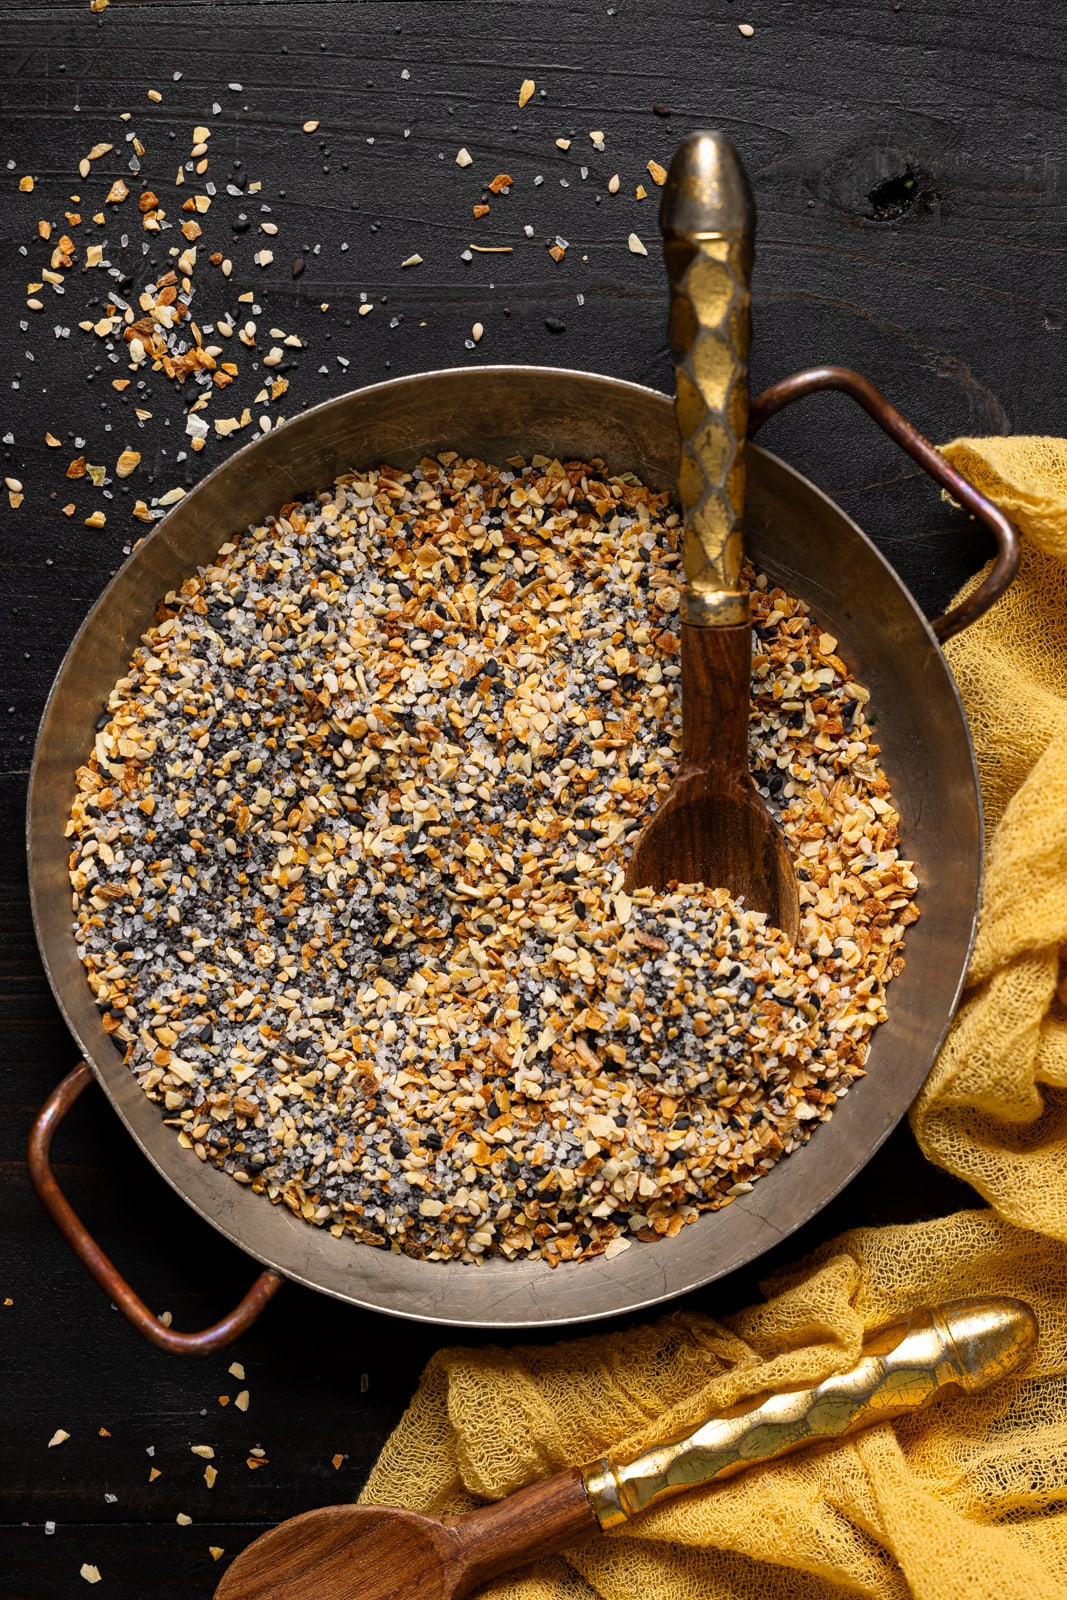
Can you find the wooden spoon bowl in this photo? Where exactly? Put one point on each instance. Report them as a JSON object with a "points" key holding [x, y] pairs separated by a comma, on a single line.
{"points": [[713, 827], [383, 1552]]}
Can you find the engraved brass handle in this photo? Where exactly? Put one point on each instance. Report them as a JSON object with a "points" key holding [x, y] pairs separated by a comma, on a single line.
{"points": [[707, 219], [964, 1346]]}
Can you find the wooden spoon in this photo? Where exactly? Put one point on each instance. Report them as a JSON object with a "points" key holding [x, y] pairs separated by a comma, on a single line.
{"points": [[383, 1553], [713, 827]]}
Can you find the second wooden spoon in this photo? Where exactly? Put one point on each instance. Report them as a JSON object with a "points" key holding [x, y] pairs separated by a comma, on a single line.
{"points": [[385, 1553]]}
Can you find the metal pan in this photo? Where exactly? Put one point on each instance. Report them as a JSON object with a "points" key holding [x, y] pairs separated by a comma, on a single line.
{"points": [[794, 533]]}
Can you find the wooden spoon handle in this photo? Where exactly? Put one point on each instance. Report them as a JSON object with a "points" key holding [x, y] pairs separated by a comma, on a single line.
{"points": [[716, 674], [707, 218], [533, 1522]]}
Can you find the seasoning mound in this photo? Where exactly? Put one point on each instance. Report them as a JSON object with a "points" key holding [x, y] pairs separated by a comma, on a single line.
{"points": [[348, 863]]}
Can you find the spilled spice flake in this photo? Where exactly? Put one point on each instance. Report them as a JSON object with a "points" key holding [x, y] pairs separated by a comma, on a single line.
{"points": [[526, 91]]}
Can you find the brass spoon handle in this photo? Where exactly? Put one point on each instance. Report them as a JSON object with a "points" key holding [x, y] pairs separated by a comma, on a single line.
{"points": [[707, 219], [963, 1346]]}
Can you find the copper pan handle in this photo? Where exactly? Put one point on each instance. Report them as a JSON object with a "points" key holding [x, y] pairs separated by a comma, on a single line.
{"points": [[889, 419], [93, 1258]]}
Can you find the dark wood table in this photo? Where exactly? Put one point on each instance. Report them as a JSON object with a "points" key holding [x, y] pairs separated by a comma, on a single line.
{"points": [[907, 163]]}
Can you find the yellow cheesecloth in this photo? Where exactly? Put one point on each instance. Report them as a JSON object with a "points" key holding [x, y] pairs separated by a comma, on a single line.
{"points": [[969, 1498]]}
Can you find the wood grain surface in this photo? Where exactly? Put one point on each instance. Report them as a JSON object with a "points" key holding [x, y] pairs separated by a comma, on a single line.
{"points": [[908, 164]]}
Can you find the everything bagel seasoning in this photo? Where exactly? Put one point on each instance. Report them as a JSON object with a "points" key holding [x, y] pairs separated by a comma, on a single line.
{"points": [[348, 861]]}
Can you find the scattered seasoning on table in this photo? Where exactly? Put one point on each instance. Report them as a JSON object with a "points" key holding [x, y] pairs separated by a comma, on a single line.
{"points": [[157, 298], [348, 862]]}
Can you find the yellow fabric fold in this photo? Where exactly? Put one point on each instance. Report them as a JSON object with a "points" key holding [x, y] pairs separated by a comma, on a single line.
{"points": [[969, 1498]]}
